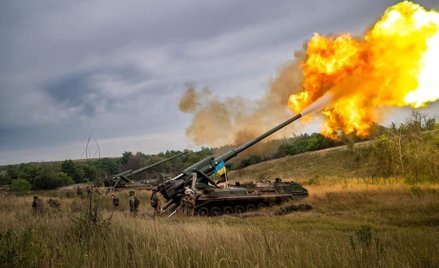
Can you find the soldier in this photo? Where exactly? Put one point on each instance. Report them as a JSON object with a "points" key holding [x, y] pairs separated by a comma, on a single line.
{"points": [[134, 203], [155, 201], [79, 192], [115, 201], [189, 201], [54, 203], [37, 206]]}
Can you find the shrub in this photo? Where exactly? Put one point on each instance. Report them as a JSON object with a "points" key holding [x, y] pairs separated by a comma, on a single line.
{"points": [[4, 180], [51, 180], [20, 185], [74, 171], [251, 160], [407, 151]]}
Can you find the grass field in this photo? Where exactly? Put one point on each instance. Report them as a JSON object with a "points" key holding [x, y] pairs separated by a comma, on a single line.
{"points": [[353, 223]]}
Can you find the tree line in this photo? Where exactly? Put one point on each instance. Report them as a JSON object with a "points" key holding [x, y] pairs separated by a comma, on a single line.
{"points": [[410, 150], [51, 175]]}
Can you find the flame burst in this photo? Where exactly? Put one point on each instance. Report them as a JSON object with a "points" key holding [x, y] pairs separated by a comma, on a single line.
{"points": [[396, 63]]}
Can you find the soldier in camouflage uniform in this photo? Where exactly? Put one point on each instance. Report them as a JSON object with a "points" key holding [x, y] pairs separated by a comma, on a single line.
{"points": [[155, 201], [188, 202], [54, 203], [115, 200], [37, 206], [79, 192], [134, 203]]}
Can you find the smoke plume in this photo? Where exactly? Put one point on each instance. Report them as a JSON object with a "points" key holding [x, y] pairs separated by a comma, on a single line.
{"points": [[350, 80], [234, 121]]}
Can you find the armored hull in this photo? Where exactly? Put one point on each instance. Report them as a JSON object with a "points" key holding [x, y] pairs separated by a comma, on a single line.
{"points": [[240, 199]]}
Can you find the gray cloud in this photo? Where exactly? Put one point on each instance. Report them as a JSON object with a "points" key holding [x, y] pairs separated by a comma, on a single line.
{"points": [[118, 68]]}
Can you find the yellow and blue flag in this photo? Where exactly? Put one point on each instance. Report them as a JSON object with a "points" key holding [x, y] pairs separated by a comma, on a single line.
{"points": [[220, 169]]}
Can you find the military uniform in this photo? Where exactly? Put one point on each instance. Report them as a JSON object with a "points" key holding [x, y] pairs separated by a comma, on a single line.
{"points": [[115, 200], [189, 202], [37, 206], [155, 202], [79, 192], [54, 203], [134, 203]]}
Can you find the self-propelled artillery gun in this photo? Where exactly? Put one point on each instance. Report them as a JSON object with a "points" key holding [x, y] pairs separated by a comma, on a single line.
{"points": [[212, 200], [125, 178]]}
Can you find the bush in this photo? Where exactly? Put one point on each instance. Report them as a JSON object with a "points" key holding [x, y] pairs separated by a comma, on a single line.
{"points": [[306, 143], [51, 180], [251, 160], [4, 180], [21, 185], [73, 170], [407, 151]]}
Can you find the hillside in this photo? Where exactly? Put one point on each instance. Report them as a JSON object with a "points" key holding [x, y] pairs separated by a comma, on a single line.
{"points": [[337, 162], [412, 155]]}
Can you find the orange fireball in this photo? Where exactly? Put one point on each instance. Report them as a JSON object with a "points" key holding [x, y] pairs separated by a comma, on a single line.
{"points": [[395, 64]]}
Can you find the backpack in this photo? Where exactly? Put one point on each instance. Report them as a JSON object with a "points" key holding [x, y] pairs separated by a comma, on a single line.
{"points": [[136, 202]]}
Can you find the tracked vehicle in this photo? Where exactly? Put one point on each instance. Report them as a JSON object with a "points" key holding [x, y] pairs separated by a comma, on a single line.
{"points": [[213, 201], [210, 199]]}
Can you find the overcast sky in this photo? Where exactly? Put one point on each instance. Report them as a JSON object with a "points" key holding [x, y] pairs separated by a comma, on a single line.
{"points": [[117, 69]]}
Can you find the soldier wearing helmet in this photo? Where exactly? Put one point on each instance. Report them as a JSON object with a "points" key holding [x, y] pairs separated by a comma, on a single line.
{"points": [[188, 201], [134, 203], [155, 201], [37, 206]]}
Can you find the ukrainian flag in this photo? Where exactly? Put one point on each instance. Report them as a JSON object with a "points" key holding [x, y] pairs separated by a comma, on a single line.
{"points": [[220, 169]]}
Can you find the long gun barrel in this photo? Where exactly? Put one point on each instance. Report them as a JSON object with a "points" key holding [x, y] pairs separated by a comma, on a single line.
{"points": [[204, 168], [128, 174], [140, 170]]}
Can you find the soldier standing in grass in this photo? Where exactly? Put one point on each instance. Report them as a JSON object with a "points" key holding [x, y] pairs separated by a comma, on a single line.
{"points": [[115, 201], [189, 201], [37, 206], [155, 201], [79, 192], [134, 203]]}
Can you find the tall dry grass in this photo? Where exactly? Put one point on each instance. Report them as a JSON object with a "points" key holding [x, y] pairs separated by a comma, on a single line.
{"points": [[351, 225]]}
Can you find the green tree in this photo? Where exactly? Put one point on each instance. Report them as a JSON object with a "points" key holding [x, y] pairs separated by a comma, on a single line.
{"points": [[108, 166], [12, 172], [4, 178], [20, 185], [90, 172], [125, 157], [51, 180], [74, 171], [29, 172], [134, 162]]}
